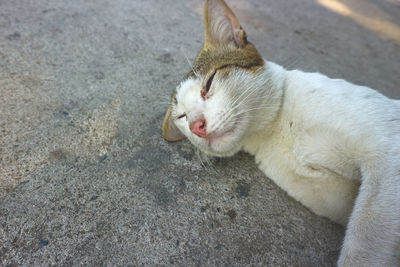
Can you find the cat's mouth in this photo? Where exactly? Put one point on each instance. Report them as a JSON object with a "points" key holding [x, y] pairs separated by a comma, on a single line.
{"points": [[220, 144]]}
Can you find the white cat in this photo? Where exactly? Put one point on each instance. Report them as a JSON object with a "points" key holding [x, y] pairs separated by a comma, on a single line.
{"points": [[331, 145]]}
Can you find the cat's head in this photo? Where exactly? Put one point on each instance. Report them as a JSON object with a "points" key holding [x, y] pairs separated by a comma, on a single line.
{"points": [[216, 103]]}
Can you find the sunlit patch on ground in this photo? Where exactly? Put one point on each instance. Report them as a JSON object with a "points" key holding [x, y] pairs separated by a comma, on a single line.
{"points": [[367, 14]]}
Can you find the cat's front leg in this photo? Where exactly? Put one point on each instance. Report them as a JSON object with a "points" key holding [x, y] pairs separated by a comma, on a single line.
{"points": [[373, 233]]}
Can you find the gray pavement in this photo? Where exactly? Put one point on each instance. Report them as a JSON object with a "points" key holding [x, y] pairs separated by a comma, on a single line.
{"points": [[85, 176]]}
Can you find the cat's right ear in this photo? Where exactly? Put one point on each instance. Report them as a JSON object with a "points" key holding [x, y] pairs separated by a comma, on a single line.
{"points": [[221, 25], [170, 132]]}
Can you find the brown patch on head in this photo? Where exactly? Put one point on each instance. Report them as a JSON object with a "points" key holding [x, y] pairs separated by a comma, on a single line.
{"points": [[211, 59]]}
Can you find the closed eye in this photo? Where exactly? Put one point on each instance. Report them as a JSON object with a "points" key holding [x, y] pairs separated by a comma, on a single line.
{"points": [[209, 82], [205, 90], [181, 116]]}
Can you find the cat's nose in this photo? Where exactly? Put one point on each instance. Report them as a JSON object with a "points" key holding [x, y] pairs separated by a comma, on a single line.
{"points": [[198, 127]]}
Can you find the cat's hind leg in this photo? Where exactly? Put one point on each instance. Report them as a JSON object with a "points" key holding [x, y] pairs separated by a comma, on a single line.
{"points": [[373, 233]]}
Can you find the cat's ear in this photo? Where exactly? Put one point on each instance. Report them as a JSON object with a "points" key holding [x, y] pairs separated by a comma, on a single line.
{"points": [[221, 25], [170, 132]]}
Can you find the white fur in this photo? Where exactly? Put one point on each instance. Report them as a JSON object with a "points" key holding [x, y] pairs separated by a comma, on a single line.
{"points": [[317, 138]]}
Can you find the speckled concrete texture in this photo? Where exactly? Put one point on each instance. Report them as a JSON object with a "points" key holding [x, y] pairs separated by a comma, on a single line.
{"points": [[85, 176]]}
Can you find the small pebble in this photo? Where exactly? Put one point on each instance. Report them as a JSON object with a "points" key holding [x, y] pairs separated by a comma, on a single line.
{"points": [[43, 243], [102, 158], [94, 197]]}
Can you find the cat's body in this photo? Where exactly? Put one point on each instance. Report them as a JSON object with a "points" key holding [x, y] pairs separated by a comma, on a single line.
{"points": [[331, 145], [315, 149]]}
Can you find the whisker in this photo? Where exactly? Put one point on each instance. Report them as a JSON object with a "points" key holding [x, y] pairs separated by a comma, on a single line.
{"points": [[162, 103], [258, 105], [198, 155], [222, 119], [163, 97], [212, 169], [188, 61], [245, 101], [238, 98], [227, 115], [205, 162], [257, 108]]}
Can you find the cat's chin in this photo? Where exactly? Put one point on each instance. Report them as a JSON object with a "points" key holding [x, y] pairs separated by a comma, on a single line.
{"points": [[221, 154], [221, 145]]}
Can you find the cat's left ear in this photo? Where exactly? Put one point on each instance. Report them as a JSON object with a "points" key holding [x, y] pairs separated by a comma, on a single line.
{"points": [[170, 132], [222, 26]]}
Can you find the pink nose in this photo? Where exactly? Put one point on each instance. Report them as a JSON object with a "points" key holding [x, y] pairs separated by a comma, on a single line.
{"points": [[199, 128]]}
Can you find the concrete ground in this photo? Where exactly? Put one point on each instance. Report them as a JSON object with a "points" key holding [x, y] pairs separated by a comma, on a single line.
{"points": [[86, 178]]}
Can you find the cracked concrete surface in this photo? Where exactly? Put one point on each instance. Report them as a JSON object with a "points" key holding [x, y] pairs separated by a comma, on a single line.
{"points": [[86, 178]]}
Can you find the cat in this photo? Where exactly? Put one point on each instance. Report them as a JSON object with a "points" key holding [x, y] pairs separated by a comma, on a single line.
{"points": [[332, 145]]}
